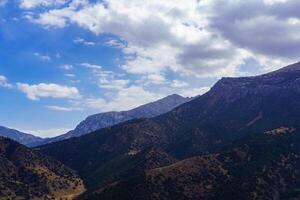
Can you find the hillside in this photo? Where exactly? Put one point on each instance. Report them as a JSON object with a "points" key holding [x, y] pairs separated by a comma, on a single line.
{"points": [[128, 165], [232, 109], [261, 166], [26, 174]]}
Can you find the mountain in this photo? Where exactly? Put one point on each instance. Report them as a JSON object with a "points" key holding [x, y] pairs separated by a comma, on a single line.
{"points": [[260, 166], [23, 138], [233, 109], [101, 120], [27, 174]]}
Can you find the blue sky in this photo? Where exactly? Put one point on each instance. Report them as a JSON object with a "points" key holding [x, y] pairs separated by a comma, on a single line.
{"points": [[62, 60]]}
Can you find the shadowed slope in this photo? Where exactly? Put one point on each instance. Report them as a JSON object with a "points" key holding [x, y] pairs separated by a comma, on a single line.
{"points": [[261, 166]]}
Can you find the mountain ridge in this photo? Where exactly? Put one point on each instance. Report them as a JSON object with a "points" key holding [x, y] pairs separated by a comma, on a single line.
{"points": [[23, 138], [231, 110], [102, 120]]}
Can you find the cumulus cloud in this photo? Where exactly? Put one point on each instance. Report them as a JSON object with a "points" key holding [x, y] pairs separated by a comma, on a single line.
{"points": [[124, 99], [206, 39], [34, 92], [29, 4], [267, 29], [202, 38], [106, 79], [159, 35], [148, 79], [109, 80]]}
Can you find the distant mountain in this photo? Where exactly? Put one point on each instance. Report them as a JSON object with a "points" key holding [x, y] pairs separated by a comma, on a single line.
{"points": [[233, 109], [23, 138], [101, 120], [26, 174]]}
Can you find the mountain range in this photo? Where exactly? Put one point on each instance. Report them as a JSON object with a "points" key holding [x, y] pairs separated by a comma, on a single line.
{"points": [[100, 120], [234, 109], [240, 140]]}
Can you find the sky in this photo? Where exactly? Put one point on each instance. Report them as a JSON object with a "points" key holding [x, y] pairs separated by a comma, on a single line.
{"points": [[62, 60]]}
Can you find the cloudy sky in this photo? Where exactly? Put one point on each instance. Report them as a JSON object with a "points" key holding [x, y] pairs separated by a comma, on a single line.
{"points": [[61, 60]]}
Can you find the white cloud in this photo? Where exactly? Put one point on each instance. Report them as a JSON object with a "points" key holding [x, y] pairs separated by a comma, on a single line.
{"points": [[115, 43], [125, 99], [84, 42], [148, 79], [91, 66], [179, 84], [159, 35], [34, 92], [201, 38], [192, 92], [29, 4], [107, 79], [70, 75], [66, 67], [42, 57], [113, 83], [4, 83], [61, 108]]}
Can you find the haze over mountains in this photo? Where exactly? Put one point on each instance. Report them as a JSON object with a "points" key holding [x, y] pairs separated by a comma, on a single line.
{"points": [[101, 120], [23, 138], [241, 113]]}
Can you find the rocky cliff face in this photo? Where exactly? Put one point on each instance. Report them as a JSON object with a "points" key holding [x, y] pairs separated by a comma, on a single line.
{"points": [[26, 174]]}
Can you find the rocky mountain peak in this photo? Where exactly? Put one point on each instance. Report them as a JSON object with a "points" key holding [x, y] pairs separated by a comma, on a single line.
{"points": [[106, 119]]}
